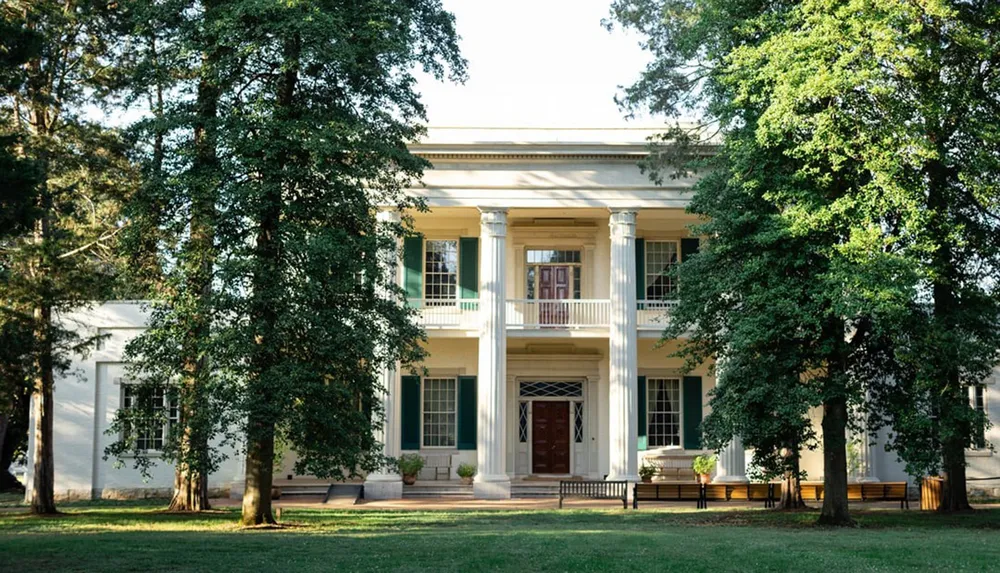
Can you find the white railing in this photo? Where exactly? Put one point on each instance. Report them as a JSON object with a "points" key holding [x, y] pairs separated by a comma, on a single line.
{"points": [[558, 314], [654, 314], [461, 314], [525, 314]]}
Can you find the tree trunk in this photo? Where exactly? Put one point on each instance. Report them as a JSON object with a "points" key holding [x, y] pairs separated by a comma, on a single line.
{"points": [[952, 421], [835, 510], [42, 492], [268, 270], [260, 475], [16, 433], [190, 490], [791, 490]]}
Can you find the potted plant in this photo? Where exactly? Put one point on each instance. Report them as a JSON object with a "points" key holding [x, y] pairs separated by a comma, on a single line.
{"points": [[409, 466], [703, 466], [466, 472], [646, 472]]}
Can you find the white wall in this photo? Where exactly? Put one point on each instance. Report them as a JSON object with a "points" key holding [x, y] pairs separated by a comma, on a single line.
{"points": [[85, 401]]}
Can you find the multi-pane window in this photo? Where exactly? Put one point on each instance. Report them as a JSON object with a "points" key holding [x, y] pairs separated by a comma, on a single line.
{"points": [[154, 409], [661, 258], [522, 422], [578, 422], [663, 413], [978, 395], [440, 417], [441, 271]]}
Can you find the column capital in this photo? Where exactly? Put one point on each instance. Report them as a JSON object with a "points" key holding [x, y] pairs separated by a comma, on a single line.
{"points": [[622, 222], [493, 221]]}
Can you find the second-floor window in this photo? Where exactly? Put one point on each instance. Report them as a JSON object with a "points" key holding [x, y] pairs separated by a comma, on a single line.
{"points": [[441, 271], [661, 258]]}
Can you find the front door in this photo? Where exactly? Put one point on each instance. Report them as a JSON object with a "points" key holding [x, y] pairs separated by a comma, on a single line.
{"points": [[553, 284], [550, 437]]}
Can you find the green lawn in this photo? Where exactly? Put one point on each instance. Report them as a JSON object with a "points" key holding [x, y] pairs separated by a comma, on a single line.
{"points": [[138, 537]]}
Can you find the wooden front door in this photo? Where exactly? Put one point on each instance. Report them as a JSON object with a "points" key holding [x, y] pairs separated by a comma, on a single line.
{"points": [[550, 437], [554, 284]]}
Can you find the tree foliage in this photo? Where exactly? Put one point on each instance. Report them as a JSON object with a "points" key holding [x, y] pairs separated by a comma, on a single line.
{"points": [[885, 112]]}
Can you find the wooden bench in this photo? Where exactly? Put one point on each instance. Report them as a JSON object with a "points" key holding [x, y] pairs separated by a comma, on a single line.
{"points": [[874, 491], [766, 492], [685, 491], [594, 489]]}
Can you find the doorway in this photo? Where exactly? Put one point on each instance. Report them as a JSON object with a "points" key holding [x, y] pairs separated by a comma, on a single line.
{"points": [[550, 433]]}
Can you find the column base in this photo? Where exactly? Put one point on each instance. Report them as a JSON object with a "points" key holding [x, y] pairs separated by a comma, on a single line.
{"points": [[731, 479], [383, 486], [628, 478], [491, 487]]}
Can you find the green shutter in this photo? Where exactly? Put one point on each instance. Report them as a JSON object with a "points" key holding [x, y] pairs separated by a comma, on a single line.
{"points": [[640, 270], [413, 268], [641, 391], [689, 247], [409, 423], [468, 268], [691, 411], [467, 412]]}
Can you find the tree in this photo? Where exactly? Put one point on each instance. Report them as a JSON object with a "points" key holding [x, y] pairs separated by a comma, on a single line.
{"points": [[19, 179], [179, 61], [775, 305], [891, 102], [61, 262], [329, 109]]}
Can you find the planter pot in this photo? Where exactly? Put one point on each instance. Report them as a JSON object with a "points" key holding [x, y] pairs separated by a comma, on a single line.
{"points": [[647, 480], [409, 479], [275, 493], [705, 478], [466, 481]]}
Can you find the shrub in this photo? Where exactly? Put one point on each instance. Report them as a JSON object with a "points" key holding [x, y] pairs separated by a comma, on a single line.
{"points": [[410, 464], [466, 470], [647, 471], [703, 464]]}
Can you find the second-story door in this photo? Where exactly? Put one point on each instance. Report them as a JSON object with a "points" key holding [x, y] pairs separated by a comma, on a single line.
{"points": [[554, 284]]}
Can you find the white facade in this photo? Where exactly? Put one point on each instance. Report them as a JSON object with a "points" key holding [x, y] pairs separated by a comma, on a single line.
{"points": [[537, 282]]}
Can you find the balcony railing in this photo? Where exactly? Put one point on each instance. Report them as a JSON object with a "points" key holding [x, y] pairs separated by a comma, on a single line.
{"points": [[654, 314], [525, 314], [461, 314], [558, 314]]}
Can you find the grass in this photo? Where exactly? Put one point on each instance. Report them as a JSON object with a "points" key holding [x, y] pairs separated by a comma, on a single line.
{"points": [[140, 537]]}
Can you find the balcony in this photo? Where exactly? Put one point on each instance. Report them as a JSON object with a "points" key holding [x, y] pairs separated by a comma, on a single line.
{"points": [[540, 315]]}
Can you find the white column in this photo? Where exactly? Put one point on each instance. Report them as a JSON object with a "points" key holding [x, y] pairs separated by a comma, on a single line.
{"points": [[492, 481], [732, 466], [385, 483], [863, 468], [623, 360]]}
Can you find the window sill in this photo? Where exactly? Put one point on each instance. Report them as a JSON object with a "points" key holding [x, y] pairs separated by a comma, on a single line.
{"points": [[978, 453], [142, 455]]}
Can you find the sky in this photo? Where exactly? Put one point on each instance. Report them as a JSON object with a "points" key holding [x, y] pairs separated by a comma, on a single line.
{"points": [[536, 63]]}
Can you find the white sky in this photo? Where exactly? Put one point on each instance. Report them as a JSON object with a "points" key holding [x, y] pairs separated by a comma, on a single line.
{"points": [[535, 63]]}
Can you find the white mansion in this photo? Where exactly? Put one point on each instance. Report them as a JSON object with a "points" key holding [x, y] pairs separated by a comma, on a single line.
{"points": [[540, 281]]}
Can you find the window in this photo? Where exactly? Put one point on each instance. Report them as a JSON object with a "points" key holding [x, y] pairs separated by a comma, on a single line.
{"points": [[522, 425], [978, 395], [150, 433], [441, 271], [578, 422], [551, 389], [440, 417], [661, 258], [664, 412]]}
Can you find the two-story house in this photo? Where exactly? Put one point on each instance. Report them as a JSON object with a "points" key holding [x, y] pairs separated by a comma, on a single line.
{"points": [[541, 279]]}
